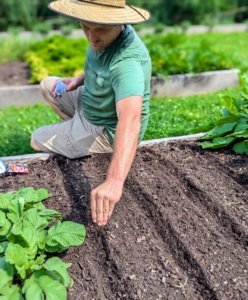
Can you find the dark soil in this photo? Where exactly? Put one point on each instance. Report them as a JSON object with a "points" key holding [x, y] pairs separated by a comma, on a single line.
{"points": [[180, 230], [14, 73]]}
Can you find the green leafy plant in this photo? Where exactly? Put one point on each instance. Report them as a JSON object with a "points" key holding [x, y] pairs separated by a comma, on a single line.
{"points": [[26, 235], [233, 127], [171, 54], [57, 56]]}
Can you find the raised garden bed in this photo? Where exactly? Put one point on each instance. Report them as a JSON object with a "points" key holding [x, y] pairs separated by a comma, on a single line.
{"points": [[179, 231], [16, 90]]}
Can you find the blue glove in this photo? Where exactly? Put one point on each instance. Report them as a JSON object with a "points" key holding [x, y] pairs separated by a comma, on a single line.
{"points": [[60, 88]]}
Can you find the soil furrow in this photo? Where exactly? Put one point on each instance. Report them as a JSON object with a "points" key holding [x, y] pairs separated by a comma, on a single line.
{"points": [[93, 267], [210, 237], [159, 269], [179, 231], [180, 252], [235, 167], [197, 189]]}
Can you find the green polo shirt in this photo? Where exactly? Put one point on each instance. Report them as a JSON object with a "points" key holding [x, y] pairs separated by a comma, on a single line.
{"points": [[117, 72]]}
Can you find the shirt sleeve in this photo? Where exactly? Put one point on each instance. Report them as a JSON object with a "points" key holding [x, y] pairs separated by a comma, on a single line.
{"points": [[127, 78]]}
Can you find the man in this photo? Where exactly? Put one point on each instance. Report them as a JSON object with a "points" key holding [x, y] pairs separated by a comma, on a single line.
{"points": [[106, 108]]}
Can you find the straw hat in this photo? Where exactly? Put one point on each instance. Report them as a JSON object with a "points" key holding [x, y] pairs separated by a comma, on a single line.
{"points": [[110, 12]]}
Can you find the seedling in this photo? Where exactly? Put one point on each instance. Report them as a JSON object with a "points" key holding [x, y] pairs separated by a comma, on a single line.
{"points": [[25, 238]]}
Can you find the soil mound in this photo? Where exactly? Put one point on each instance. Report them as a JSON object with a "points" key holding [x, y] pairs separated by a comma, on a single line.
{"points": [[180, 230], [14, 73]]}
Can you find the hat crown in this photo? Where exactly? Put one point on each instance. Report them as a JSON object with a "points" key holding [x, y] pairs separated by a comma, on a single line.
{"points": [[116, 3]]}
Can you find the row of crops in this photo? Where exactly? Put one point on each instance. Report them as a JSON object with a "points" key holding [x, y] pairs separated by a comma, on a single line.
{"points": [[171, 53]]}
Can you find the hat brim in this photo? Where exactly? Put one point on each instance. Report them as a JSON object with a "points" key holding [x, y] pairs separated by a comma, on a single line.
{"points": [[100, 14]]}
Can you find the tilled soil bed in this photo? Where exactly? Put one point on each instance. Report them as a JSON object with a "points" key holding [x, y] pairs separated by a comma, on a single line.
{"points": [[180, 230]]}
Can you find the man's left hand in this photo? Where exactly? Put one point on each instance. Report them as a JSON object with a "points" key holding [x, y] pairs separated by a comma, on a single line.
{"points": [[103, 200]]}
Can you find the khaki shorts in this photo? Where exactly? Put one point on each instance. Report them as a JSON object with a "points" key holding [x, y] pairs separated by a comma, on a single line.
{"points": [[75, 137]]}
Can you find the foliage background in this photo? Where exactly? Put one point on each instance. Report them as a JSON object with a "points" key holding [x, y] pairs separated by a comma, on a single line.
{"points": [[29, 13], [196, 11]]}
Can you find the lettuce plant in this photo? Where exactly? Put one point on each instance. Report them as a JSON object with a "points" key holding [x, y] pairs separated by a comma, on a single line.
{"points": [[26, 235], [233, 127]]}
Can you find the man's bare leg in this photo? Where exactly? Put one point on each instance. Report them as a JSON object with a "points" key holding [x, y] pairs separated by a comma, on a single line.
{"points": [[33, 145], [53, 104]]}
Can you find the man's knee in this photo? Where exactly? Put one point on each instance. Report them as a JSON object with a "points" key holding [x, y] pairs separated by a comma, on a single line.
{"points": [[33, 145], [43, 89]]}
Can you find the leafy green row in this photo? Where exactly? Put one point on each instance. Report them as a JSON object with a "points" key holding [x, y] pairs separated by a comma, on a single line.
{"points": [[233, 127], [170, 54], [56, 55], [24, 240]]}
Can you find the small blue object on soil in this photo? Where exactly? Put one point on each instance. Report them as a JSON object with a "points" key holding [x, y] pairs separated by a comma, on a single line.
{"points": [[60, 88]]}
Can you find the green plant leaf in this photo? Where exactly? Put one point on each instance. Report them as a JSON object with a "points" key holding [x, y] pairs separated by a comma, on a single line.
{"points": [[39, 206], [28, 226], [240, 134], [56, 265], [3, 246], [43, 194], [29, 194], [50, 214], [228, 119], [42, 286], [230, 104], [243, 79], [218, 143], [66, 234], [37, 263], [12, 292], [16, 208], [241, 147], [242, 125], [6, 272], [5, 200], [17, 255], [5, 225], [219, 131]]}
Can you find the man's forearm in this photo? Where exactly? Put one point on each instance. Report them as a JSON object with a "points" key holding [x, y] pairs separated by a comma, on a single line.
{"points": [[125, 145], [80, 79], [105, 196]]}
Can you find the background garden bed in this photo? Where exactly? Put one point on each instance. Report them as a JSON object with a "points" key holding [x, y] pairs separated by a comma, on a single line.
{"points": [[15, 88]]}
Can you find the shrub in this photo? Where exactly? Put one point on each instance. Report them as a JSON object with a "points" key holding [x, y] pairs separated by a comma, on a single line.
{"points": [[170, 54], [56, 55]]}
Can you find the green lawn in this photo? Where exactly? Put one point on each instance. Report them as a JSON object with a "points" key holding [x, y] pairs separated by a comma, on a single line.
{"points": [[234, 44], [169, 117]]}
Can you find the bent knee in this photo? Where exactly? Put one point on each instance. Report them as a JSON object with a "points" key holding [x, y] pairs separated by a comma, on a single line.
{"points": [[33, 145], [45, 87]]}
